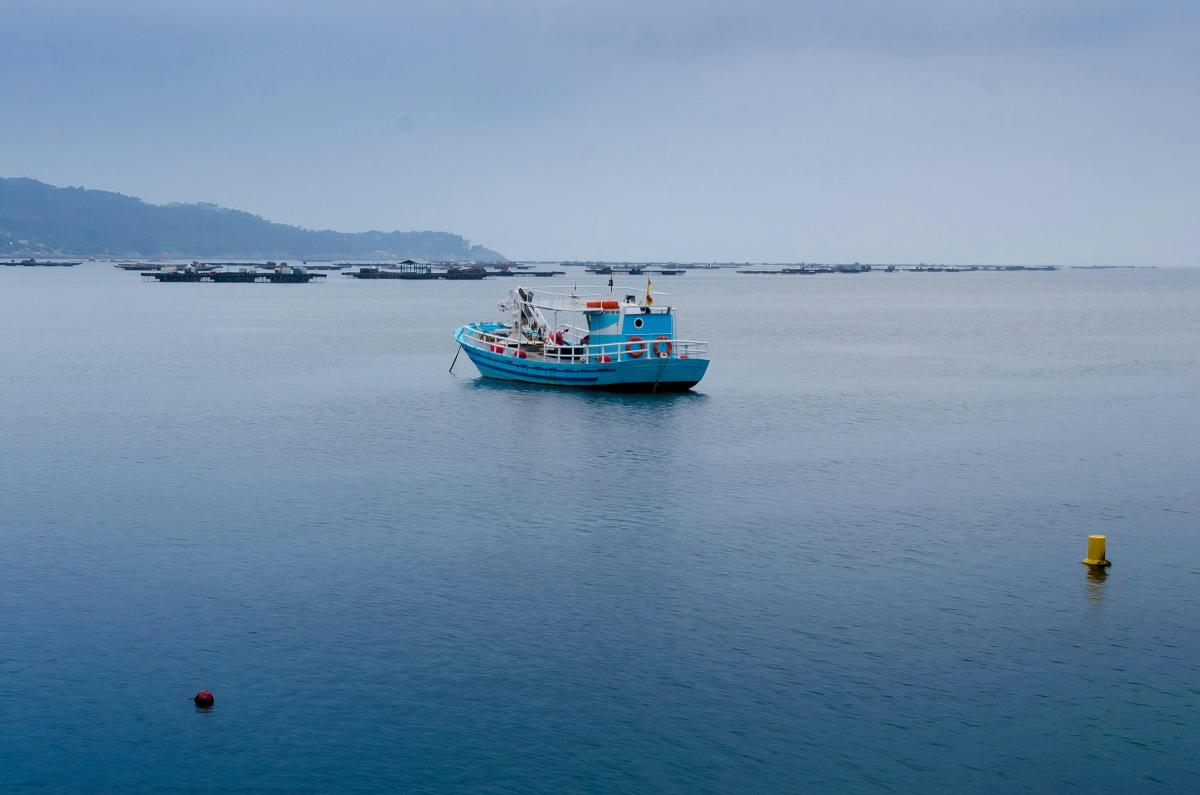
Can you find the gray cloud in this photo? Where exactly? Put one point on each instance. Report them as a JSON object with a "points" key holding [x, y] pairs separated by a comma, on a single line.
{"points": [[927, 130]]}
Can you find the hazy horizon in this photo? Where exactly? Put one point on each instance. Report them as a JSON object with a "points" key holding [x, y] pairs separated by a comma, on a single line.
{"points": [[1013, 132]]}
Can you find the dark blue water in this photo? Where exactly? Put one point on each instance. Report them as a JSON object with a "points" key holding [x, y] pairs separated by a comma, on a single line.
{"points": [[849, 560]]}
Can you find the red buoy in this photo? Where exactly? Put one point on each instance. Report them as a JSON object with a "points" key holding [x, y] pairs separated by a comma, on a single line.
{"points": [[204, 699]]}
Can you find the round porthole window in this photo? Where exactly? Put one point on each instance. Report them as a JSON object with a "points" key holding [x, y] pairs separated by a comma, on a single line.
{"points": [[637, 322]]}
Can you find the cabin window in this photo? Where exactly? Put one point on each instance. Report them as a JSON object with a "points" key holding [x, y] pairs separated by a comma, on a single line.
{"points": [[637, 322]]}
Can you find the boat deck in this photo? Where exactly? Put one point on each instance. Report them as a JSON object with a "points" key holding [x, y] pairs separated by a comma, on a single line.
{"points": [[493, 339]]}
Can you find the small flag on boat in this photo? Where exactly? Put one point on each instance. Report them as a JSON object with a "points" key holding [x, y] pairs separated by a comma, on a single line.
{"points": [[649, 298], [610, 284]]}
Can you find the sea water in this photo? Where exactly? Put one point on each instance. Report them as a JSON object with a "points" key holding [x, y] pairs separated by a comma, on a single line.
{"points": [[849, 560]]}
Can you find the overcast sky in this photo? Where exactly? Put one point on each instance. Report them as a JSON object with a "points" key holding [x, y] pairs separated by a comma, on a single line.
{"points": [[945, 130]]}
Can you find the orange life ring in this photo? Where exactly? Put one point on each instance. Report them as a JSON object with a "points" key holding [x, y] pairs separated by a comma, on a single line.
{"points": [[641, 347], [660, 353]]}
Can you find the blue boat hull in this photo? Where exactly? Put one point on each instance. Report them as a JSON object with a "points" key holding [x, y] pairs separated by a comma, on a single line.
{"points": [[672, 374]]}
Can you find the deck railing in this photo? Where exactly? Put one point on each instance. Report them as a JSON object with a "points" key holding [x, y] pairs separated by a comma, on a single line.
{"points": [[577, 302], [606, 352]]}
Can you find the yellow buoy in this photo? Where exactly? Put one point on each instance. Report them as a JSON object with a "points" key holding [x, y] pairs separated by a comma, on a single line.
{"points": [[1095, 554]]}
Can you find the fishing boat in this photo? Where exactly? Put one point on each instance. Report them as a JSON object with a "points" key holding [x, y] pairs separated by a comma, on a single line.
{"points": [[625, 343]]}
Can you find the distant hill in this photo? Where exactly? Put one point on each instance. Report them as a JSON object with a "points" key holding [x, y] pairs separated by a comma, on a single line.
{"points": [[36, 218]]}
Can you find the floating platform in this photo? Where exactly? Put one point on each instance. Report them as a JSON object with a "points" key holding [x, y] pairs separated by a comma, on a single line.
{"points": [[635, 270], [377, 272], [419, 273], [146, 267], [242, 277], [469, 274], [527, 272], [212, 266], [811, 271], [138, 266]]}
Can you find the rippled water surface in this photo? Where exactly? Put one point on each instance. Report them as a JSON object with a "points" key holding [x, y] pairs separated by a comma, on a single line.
{"points": [[848, 560]]}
